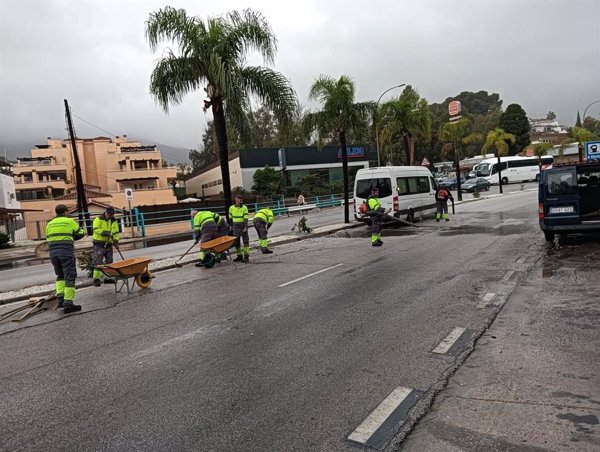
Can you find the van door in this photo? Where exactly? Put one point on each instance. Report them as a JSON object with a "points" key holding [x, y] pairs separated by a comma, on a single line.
{"points": [[559, 198], [429, 205], [409, 197]]}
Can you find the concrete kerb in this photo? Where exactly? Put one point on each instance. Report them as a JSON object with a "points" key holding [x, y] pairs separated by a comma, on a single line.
{"points": [[497, 195], [169, 263]]}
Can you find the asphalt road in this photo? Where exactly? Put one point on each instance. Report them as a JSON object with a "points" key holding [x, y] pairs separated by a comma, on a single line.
{"points": [[262, 356], [36, 271]]}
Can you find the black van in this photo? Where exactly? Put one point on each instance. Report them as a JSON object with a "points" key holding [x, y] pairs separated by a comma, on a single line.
{"points": [[569, 199]]}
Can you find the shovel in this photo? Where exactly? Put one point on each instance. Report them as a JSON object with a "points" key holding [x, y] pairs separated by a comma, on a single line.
{"points": [[177, 264]]}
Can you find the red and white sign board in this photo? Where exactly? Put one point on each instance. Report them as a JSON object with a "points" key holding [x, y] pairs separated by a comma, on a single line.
{"points": [[454, 108], [425, 162]]}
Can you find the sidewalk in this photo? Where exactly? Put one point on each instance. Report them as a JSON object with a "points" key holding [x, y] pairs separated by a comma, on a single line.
{"points": [[532, 382]]}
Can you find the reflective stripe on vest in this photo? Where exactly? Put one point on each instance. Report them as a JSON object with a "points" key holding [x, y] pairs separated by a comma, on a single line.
{"points": [[374, 205], [238, 214], [62, 229], [265, 215]]}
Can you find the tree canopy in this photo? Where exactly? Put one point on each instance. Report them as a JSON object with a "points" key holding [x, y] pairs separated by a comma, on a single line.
{"points": [[514, 121]]}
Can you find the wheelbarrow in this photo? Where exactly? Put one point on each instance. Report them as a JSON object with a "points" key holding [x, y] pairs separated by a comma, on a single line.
{"points": [[215, 247], [129, 272]]}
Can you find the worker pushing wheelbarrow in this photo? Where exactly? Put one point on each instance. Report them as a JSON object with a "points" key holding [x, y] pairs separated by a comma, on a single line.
{"points": [[210, 230]]}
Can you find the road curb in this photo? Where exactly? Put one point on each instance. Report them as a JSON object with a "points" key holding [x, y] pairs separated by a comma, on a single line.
{"points": [[172, 266]]}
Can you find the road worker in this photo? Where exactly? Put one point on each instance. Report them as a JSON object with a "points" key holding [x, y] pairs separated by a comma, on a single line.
{"points": [[263, 220], [61, 232], [238, 213], [106, 235], [442, 195], [205, 229], [222, 225], [375, 212]]}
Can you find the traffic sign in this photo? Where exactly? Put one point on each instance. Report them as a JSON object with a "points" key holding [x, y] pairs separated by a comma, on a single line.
{"points": [[425, 162], [129, 194], [592, 150]]}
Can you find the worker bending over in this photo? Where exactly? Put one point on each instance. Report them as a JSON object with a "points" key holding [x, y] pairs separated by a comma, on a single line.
{"points": [[222, 225], [61, 232], [205, 229], [263, 220], [238, 214], [376, 213], [106, 235]]}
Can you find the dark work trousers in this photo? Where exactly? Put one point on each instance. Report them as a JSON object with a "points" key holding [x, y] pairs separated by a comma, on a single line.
{"points": [[65, 269]]}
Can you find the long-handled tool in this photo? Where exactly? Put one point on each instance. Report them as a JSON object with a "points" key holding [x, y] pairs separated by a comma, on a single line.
{"points": [[453, 212], [177, 264]]}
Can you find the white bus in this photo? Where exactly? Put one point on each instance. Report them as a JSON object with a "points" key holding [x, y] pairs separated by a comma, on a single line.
{"points": [[514, 169]]}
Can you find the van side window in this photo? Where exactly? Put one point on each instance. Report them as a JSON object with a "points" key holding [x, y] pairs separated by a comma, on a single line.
{"points": [[364, 186], [423, 185], [561, 183]]}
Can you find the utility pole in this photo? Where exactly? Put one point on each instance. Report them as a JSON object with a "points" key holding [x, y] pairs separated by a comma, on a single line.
{"points": [[82, 205]]}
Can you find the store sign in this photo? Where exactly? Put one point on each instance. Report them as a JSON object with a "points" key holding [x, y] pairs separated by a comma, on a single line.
{"points": [[454, 108], [355, 152], [592, 150]]}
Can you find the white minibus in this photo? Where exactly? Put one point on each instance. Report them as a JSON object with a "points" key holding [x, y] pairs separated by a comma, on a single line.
{"points": [[514, 169], [409, 191]]}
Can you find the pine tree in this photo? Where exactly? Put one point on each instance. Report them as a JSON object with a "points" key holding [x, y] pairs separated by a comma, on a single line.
{"points": [[578, 122]]}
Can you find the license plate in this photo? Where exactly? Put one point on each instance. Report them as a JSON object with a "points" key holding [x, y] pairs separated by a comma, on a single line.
{"points": [[569, 209]]}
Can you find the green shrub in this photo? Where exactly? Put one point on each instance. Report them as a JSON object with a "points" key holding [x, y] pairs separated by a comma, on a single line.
{"points": [[4, 240]]}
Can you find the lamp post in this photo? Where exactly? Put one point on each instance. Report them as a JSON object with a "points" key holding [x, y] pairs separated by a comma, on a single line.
{"points": [[586, 109], [377, 125]]}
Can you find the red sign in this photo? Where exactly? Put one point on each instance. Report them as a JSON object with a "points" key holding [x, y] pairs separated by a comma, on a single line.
{"points": [[454, 108]]}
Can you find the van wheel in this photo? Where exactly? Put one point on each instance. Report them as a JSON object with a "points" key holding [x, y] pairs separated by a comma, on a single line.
{"points": [[504, 180], [410, 217], [549, 236]]}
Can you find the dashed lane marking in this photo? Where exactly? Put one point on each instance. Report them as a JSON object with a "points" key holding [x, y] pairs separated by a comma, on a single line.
{"points": [[443, 347], [487, 299], [383, 423], [309, 275], [509, 274]]}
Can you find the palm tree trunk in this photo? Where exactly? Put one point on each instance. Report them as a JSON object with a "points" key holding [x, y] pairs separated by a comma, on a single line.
{"points": [[499, 174], [411, 151], [405, 148], [221, 134], [345, 173]]}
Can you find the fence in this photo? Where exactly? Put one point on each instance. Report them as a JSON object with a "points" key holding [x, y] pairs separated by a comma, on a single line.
{"points": [[146, 221]]}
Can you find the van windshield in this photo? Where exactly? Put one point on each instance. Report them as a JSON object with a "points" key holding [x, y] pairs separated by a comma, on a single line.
{"points": [[561, 183], [484, 169], [364, 186]]}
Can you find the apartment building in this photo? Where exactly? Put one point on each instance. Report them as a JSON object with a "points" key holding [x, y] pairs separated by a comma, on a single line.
{"points": [[109, 164], [46, 178]]}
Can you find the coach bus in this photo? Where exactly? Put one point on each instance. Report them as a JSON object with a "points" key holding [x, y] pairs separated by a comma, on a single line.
{"points": [[514, 169]]}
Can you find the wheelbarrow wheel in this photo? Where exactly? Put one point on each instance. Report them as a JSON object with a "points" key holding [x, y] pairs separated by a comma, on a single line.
{"points": [[144, 280], [209, 260]]}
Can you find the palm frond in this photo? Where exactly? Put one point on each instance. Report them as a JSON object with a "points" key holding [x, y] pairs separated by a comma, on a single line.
{"points": [[173, 25], [250, 31], [273, 90], [172, 78]]}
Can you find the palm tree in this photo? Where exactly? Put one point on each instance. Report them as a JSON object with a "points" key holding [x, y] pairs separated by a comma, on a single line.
{"points": [[212, 56], [539, 150], [498, 139], [339, 115], [454, 134], [579, 135], [407, 115]]}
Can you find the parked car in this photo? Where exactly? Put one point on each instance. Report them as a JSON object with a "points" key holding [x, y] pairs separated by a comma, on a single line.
{"points": [[476, 184], [450, 182]]}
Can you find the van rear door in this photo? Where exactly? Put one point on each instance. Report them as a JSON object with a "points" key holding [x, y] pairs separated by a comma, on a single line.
{"points": [[559, 198], [367, 180]]}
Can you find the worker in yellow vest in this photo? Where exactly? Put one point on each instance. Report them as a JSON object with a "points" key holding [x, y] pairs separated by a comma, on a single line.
{"points": [[106, 235], [238, 213], [205, 229], [263, 220], [61, 233], [222, 225]]}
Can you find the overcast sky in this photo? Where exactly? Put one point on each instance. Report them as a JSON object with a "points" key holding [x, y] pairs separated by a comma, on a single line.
{"points": [[542, 54]]}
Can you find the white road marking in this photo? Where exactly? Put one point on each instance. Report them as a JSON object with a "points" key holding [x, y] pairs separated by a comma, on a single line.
{"points": [[521, 260], [508, 275], [487, 298], [449, 341], [370, 425], [309, 275]]}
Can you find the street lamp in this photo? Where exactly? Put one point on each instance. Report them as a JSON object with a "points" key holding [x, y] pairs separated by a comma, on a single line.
{"points": [[377, 125], [586, 109]]}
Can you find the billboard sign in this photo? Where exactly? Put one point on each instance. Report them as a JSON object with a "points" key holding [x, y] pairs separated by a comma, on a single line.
{"points": [[354, 152]]}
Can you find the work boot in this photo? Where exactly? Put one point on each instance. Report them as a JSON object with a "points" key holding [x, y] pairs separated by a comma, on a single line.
{"points": [[60, 302], [109, 281], [199, 264], [267, 251], [97, 282], [376, 244], [69, 307], [379, 241], [239, 258], [447, 219], [246, 258]]}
